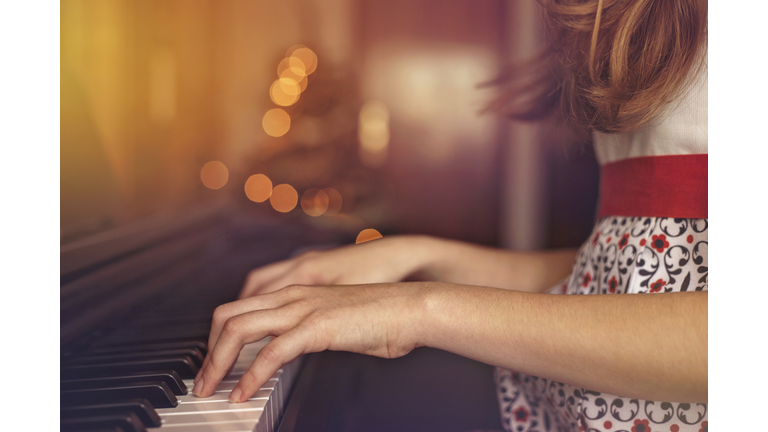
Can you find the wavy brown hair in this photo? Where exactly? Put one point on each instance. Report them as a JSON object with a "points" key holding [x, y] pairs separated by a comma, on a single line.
{"points": [[609, 65]]}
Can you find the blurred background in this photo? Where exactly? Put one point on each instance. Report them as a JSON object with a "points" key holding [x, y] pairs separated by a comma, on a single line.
{"points": [[343, 114]]}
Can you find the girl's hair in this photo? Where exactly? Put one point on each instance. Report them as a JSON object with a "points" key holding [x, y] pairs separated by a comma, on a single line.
{"points": [[609, 65]]}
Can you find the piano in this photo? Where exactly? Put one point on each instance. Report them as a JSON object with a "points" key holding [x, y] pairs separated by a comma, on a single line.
{"points": [[136, 306]]}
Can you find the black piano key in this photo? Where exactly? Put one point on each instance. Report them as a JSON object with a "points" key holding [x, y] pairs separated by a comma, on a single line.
{"points": [[157, 393], [127, 422], [142, 408], [184, 366], [170, 378], [192, 353]]}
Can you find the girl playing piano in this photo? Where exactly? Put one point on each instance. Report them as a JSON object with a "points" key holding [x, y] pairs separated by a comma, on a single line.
{"points": [[574, 348]]}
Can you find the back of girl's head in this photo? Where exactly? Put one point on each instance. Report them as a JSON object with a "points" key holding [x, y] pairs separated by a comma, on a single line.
{"points": [[610, 65]]}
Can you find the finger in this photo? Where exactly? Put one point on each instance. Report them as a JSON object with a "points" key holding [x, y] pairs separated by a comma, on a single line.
{"points": [[236, 332], [257, 278], [228, 310], [272, 357]]}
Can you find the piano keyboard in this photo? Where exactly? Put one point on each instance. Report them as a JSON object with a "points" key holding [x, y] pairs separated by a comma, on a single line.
{"points": [[135, 322], [175, 408], [215, 413]]}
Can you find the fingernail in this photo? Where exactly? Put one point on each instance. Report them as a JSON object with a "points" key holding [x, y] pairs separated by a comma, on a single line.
{"points": [[199, 374], [198, 387], [234, 397]]}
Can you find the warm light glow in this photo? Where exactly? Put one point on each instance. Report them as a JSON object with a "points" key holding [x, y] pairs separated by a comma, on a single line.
{"points": [[162, 86], [368, 235], [300, 79], [314, 202], [284, 198], [306, 55], [258, 188], [292, 64], [334, 201], [276, 122], [284, 92], [214, 175], [373, 132]]}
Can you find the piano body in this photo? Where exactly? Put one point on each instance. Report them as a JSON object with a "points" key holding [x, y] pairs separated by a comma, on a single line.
{"points": [[136, 307]]}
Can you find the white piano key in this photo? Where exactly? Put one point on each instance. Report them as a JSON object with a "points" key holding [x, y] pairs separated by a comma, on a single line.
{"points": [[218, 417], [215, 427], [221, 396], [258, 404]]}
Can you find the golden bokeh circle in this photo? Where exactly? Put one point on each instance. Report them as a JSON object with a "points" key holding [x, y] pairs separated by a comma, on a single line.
{"points": [[284, 198], [214, 175], [301, 80], [307, 57], [334, 201], [258, 188], [284, 91], [367, 235], [314, 202], [276, 122]]}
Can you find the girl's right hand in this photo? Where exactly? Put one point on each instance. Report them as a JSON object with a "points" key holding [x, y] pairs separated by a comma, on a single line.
{"points": [[390, 259]]}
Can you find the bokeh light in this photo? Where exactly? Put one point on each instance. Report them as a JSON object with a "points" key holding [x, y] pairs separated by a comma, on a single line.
{"points": [[295, 65], [300, 79], [258, 188], [314, 202], [306, 55], [276, 122], [373, 132], [368, 235], [334, 201], [284, 198], [284, 91], [214, 175], [374, 126]]}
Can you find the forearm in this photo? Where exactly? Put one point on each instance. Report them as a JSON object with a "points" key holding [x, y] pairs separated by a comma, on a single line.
{"points": [[464, 263], [647, 346]]}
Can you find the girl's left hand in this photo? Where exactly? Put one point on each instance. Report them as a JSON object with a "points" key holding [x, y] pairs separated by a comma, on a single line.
{"points": [[381, 320]]}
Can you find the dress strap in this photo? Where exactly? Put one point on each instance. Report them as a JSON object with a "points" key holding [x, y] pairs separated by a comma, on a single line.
{"points": [[656, 186]]}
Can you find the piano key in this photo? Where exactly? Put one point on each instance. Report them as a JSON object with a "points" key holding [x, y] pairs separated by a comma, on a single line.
{"points": [[193, 353], [171, 378], [142, 408], [222, 396], [216, 427], [184, 366], [127, 422], [190, 408], [158, 394], [218, 417]]}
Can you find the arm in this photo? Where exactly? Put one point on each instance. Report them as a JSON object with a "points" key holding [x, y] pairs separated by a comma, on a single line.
{"points": [[396, 258], [645, 346]]}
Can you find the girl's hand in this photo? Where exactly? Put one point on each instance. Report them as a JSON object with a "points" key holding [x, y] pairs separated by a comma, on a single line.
{"points": [[381, 320], [389, 259]]}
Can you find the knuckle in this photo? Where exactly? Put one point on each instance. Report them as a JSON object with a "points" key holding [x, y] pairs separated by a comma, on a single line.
{"points": [[232, 326], [297, 290], [220, 313], [271, 353]]}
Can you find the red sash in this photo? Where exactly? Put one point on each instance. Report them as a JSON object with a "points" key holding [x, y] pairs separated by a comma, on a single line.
{"points": [[660, 186]]}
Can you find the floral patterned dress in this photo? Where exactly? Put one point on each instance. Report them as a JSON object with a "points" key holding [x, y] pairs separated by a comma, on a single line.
{"points": [[625, 255], [650, 238]]}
